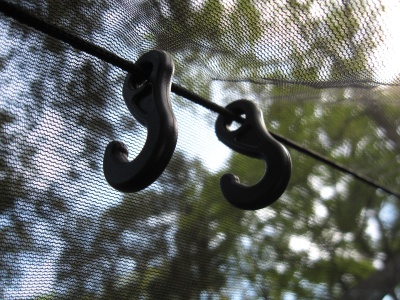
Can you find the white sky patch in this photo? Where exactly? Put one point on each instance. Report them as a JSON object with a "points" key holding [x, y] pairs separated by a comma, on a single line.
{"points": [[281, 268], [229, 4], [48, 161], [320, 210], [303, 244], [379, 262], [217, 240], [126, 266], [214, 153], [289, 296], [198, 138], [315, 182], [348, 237], [388, 214], [264, 215], [246, 242], [387, 52], [327, 192], [341, 186], [373, 229]]}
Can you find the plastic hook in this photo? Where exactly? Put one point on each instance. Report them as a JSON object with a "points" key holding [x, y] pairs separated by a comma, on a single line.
{"points": [[149, 102], [252, 139]]}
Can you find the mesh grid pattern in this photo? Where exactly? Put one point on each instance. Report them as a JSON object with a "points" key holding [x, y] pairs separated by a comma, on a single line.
{"points": [[323, 73]]}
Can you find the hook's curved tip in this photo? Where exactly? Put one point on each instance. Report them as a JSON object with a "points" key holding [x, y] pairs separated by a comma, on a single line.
{"points": [[116, 150], [115, 163], [229, 179], [262, 194]]}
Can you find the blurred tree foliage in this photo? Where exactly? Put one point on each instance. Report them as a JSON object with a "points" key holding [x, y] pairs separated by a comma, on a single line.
{"points": [[181, 239]]}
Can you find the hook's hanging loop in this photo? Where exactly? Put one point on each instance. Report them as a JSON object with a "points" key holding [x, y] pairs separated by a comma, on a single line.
{"points": [[252, 139], [149, 102]]}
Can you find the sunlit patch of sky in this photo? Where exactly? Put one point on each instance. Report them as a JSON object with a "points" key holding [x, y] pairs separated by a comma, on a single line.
{"points": [[198, 138], [47, 161], [373, 229], [388, 297], [389, 213], [387, 52], [320, 210], [327, 192], [304, 244]]}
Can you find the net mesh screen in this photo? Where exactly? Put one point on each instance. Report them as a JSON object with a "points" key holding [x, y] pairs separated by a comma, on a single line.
{"points": [[325, 74]]}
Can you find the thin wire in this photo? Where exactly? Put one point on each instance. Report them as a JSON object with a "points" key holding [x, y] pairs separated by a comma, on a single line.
{"points": [[185, 93], [23, 17], [333, 164]]}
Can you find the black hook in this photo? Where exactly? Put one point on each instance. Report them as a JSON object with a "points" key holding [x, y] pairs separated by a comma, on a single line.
{"points": [[149, 102], [252, 139]]}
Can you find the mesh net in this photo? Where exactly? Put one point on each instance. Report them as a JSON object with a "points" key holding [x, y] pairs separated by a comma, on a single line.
{"points": [[326, 76]]}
